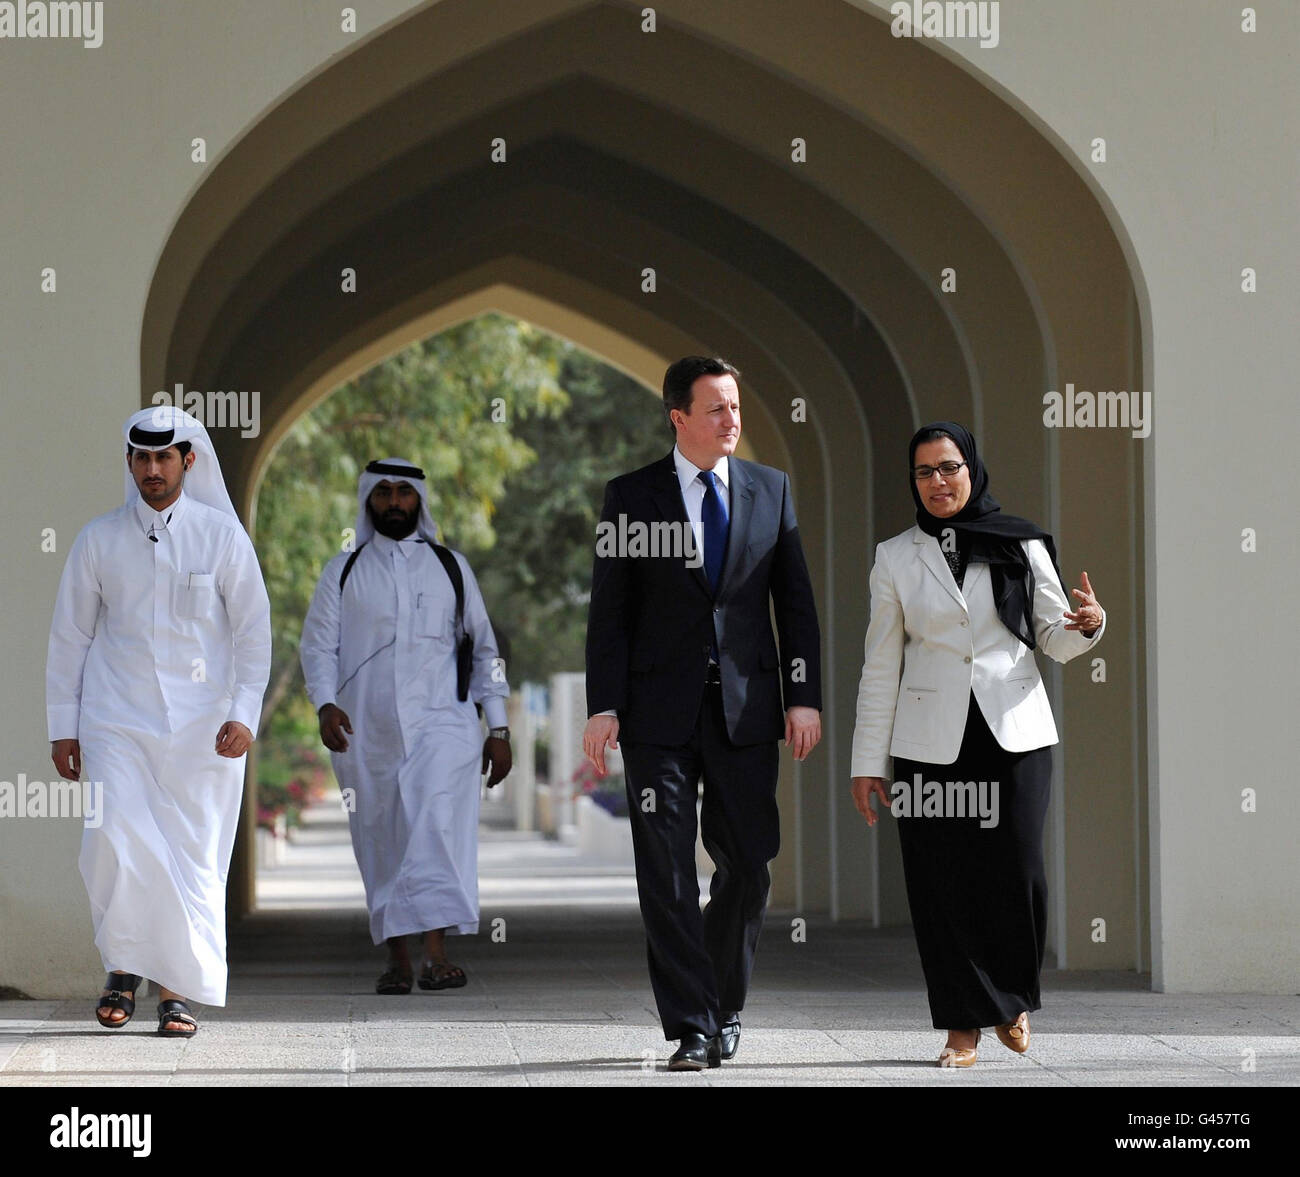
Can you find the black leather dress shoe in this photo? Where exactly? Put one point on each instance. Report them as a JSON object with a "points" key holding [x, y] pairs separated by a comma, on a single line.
{"points": [[695, 1053], [729, 1036]]}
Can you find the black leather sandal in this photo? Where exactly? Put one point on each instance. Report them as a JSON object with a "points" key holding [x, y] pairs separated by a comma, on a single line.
{"points": [[442, 976], [173, 1010], [394, 982], [121, 995]]}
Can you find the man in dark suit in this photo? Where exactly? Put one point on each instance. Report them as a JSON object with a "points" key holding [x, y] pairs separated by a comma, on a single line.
{"points": [[682, 666]]}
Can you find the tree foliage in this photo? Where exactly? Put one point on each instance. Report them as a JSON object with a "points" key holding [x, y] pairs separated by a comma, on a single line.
{"points": [[537, 578], [517, 432]]}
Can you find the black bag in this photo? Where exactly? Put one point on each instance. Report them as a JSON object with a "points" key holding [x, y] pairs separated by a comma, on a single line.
{"points": [[465, 643]]}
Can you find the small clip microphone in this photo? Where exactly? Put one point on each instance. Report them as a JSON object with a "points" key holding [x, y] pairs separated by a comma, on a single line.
{"points": [[153, 539]]}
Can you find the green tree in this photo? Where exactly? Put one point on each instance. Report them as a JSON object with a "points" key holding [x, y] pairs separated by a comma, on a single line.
{"points": [[536, 579], [517, 431], [444, 403]]}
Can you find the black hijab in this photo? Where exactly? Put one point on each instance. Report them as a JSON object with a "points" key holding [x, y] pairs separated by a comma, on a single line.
{"points": [[991, 537]]}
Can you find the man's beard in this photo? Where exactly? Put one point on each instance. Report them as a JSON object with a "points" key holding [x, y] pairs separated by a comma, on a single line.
{"points": [[394, 523], [160, 492]]}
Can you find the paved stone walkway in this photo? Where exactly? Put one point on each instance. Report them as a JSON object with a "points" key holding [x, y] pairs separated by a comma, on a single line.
{"points": [[560, 996]]}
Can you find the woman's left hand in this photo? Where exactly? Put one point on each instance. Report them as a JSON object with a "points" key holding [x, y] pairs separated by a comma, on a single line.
{"points": [[865, 790], [1089, 616]]}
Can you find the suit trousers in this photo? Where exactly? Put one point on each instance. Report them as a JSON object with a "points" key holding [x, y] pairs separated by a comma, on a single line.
{"points": [[978, 895], [700, 963]]}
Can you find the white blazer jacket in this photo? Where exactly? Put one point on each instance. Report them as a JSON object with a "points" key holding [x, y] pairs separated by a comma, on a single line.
{"points": [[930, 644]]}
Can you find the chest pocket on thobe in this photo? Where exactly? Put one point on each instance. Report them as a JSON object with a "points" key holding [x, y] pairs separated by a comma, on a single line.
{"points": [[435, 617], [194, 595]]}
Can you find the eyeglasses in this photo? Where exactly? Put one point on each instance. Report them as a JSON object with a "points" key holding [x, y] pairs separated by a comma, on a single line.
{"points": [[925, 473]]}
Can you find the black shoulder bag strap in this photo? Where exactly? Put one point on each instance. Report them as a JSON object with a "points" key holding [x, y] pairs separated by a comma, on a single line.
{"points": [[465, 644], [347, 568]]}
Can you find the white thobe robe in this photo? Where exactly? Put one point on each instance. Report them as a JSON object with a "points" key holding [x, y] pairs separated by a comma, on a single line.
{"points": [[153, 647], [385, 652]]}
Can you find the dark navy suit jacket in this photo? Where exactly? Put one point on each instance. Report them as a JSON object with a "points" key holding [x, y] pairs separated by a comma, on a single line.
{"points": [[652, 619]]}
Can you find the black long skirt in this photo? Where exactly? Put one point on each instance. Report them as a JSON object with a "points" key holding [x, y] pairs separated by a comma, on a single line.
{"points": [[979, 895]]}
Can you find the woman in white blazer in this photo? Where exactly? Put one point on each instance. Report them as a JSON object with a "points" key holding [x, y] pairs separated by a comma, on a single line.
{"points": [[951, 691]]}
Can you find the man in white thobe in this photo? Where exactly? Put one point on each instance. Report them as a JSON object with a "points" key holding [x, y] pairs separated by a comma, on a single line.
{"points": [[159, 654], [379, 655]]}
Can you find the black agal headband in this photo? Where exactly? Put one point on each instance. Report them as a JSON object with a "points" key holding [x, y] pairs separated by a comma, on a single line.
{"points": [[150, 439], [394, 469]]}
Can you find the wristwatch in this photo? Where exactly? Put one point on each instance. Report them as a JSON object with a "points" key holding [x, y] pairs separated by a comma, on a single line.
{"points": [[499, 733]]}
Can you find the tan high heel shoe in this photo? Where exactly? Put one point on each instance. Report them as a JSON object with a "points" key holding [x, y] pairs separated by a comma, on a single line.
{"points": [[952, 1056], [1015, 1035]]}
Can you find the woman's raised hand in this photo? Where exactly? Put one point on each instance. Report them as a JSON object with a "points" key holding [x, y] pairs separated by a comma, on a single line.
{"points": [[1089, 615]]}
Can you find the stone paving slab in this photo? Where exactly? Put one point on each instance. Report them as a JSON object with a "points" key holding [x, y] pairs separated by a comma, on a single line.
{"points": [[565, 1001]]}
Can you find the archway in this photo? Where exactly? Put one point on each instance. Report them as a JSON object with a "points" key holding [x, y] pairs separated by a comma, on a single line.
{"points": [[820, 279]]}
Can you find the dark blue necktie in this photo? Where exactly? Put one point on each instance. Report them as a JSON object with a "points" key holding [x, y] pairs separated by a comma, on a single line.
{"points": [[714, 518]]}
